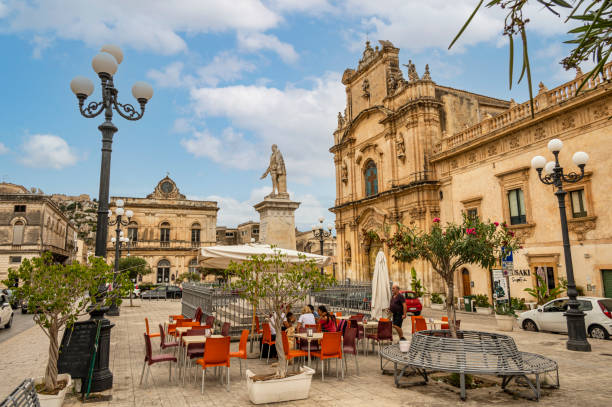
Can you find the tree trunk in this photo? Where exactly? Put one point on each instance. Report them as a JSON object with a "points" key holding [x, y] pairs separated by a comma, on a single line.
{"points": [[51, 372], [450, 306], [253, 326], [281, 369], [131, 292]]}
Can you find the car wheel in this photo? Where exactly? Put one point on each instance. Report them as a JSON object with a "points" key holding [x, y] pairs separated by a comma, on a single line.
{"points": [[8, 324], [598, 332], [24, 311], [529, 325]]}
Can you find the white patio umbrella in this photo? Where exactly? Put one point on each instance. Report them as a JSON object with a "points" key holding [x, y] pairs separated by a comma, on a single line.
{"points": [[220, 256], [381, 296]]}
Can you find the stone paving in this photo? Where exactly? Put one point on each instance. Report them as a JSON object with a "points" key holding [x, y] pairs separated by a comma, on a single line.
{"points": [[585, 377]]}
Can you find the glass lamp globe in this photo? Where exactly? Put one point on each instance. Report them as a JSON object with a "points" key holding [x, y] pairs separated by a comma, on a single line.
{"points": [[555, 145], [580, 158], [142, 90], [81, 85], [114, 50], [104, 63], [321, 219], [129, 213], [119, 211], [538, 162], [121, 233], [113, 240], [110, 213], [329, 227], [549, 168]]}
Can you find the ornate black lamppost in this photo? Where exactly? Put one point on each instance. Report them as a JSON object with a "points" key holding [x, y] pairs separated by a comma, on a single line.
{"points": [[105, 65], [321, 234], [118, 242], [553, 175]]}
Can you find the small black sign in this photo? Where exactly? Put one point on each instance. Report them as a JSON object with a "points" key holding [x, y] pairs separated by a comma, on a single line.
{"points": [[77, 349]]}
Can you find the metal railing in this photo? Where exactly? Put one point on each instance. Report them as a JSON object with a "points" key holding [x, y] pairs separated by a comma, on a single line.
{"points": [[227, 306]]}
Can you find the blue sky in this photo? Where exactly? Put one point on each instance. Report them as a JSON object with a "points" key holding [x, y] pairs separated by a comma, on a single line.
{"points": [[230, 79]]}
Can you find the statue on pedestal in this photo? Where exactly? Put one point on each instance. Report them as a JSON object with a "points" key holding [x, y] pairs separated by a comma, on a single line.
{"points": [[278, 173]]}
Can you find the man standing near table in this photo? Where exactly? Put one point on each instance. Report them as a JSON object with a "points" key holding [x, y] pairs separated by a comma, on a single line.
{"points": [[398, 309]]}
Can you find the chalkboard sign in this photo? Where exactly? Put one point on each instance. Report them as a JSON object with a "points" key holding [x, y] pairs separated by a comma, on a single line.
{"points": [[77, 349]]}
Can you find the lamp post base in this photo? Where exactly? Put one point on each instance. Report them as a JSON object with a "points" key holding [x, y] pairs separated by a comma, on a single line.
{"points": [[113, 310], [577, 332]]}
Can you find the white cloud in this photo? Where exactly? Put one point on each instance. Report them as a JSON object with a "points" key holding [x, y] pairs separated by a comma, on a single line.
{"points": [[41, 43], [300, 121], [316, 7], [47, 151], [230, 149], [153, 25], [255, 41], [171, 76], [3, 149], [233, 212]]}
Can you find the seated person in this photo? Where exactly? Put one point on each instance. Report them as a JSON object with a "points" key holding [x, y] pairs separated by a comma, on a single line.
{"points": [[327, 320], [307, 317]]}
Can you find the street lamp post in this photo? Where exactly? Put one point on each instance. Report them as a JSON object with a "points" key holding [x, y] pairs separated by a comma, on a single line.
{"points": [[321, 234], [553, 175], [105, 65], [118, 241]]}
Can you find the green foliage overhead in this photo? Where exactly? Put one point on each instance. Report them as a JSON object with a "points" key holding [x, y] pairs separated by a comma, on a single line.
{"points": [[274, 283], [188, 277], [449, 247], [134, 266], [58, 295]]}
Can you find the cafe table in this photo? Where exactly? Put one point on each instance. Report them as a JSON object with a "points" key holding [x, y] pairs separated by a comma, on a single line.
{"points": [[189, 340], [437, 323], [316, 336]]}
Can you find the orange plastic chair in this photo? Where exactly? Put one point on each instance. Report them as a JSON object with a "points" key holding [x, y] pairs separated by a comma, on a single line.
{"points": [[187, 322], [150, 335], [338, 314], [178, 317], [419, 325], [216, 353], [266, 340], [291, 353], [242, 351], [331, 348], [413, 318], [444, 326], [171, 330], [384, 320]]}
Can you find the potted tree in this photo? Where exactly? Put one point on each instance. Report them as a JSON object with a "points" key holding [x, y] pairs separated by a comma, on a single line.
{"points": [[275, 283], [505, 316], [58, 295], [436, 301], [449, 247], [481, 302]]}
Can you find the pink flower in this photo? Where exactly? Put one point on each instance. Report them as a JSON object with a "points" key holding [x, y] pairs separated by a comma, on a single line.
{"points": [[436, 220], [496, 224], [511, 233]]}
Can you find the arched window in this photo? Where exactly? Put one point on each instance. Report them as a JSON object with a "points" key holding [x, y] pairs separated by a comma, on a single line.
{"points": [[18, 233], [371, 178], [163, 271], [133, 232], [164, 234], [195, 235], [193, 266]]}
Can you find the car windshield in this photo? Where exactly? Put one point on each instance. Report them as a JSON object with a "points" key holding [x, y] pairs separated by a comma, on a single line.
{"points": [[607, 303], [410, 295]]}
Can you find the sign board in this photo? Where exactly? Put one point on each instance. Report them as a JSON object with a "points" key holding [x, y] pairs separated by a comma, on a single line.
{"points": [[507, 268], [500, 285]]}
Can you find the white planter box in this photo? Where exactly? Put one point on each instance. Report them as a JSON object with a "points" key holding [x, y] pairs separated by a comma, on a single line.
{"points": [[276, 390], [49, 400], [505, 322], [437, 306], [484, 311]]}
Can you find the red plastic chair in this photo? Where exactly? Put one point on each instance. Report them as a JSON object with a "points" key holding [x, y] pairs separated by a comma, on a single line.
{"points": [[419, 325], [198, 315], [266, 340], [291, 353], [384, 332], [210, 321], [151, 359], [354, 322], [242, 351], [162, 343], [413, 318], [225, 329], [147, 327], [331, 348], [216, 353], [349, 345]]}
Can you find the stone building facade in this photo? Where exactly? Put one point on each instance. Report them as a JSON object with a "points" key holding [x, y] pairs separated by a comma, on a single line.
{"points": [[167, 230], [409, 150], [30, 224], [306, 242]]}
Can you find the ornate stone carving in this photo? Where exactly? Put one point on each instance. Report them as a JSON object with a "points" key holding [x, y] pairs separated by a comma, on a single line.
{"points": [[417, 212], [426, 75], [580, 226], [542, 87], [412, 72], [166, 189], [400, 147], [368, 56], [514, 142], [365, 88], [347, 252], [434, 212], [522, 232], [567, 123], [539, 134], [472, 157], [492, 149], [278, 173], [454, 164], [600, 111], [340, 121], [344, 172]]}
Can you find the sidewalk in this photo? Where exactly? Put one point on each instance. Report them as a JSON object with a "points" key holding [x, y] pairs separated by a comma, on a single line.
{"points": [[585, 377]]}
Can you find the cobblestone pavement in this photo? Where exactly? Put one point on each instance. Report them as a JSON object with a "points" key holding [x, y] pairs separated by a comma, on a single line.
{"points": [[585, 377]]}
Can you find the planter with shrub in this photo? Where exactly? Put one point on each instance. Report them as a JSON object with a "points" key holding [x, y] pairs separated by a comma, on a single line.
{"points": [[436, 301], [481, 302]]}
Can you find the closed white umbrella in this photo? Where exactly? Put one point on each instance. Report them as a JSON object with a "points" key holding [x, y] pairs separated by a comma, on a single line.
{"points": [[220, 256], [381, 295]]}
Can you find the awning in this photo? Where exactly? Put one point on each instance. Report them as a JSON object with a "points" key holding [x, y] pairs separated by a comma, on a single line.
{"points": [[219, 257]]}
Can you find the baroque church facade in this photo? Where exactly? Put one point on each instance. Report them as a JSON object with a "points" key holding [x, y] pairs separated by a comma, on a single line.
{"points": [[409, 150]]}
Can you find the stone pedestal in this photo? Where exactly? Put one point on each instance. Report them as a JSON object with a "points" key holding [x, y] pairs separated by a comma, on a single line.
{"points": [[277, 221]]}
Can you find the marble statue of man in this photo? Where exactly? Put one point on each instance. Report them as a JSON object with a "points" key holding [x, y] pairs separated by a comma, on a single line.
{"points": [[278, 173]]}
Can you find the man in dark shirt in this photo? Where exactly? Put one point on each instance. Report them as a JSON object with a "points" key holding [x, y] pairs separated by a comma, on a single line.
{"points": [[398, 309]]}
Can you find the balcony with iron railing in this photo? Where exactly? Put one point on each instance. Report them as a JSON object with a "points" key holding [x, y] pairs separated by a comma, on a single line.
{"points": [[157, 244]]}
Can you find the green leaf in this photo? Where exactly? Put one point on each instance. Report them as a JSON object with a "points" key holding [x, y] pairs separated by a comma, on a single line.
{"points": [[467, 22]]}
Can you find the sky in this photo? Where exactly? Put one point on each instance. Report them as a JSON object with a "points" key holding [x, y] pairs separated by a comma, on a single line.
{"points": [[230, 79]]}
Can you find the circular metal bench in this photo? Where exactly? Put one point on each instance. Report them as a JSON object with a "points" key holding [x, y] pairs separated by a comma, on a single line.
{"points": [[472, 352]]}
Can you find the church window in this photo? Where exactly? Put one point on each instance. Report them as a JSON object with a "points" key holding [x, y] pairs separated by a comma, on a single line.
{"points": [[371, 178], [516, 202], [133, 232], [164, 234], [195, 234], [193, 266], [163, 271], [18, 233]]}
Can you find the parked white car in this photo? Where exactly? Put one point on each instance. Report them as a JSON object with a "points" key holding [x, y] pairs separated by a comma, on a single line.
{"points": [[549, 317], [6, 312]]}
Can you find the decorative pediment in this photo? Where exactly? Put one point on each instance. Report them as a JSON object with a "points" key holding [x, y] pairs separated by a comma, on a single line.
{"points": [[580, 226], [166, 189]]}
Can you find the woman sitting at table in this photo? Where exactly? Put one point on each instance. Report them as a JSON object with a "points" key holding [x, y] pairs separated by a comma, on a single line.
{"points": [[307, 317], [327, 320]]}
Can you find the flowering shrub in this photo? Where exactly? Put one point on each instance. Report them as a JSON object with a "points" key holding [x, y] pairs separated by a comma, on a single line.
{"points": [[449, 247]]}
